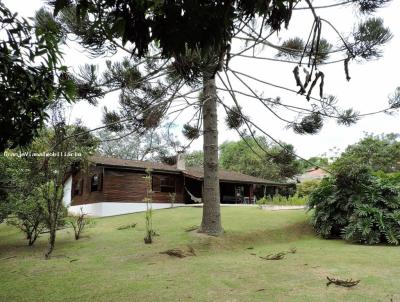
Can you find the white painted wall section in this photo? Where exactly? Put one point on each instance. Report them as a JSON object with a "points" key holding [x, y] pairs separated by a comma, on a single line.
{"points": [[67, 192], [105, 209]]}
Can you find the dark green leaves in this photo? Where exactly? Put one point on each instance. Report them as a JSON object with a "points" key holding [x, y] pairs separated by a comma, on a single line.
{"points": [[356, 206], [175, 26], [310, 124], [59, 5], [234, 118], [27, 87], [191, 132], [369, 37], [348, 117]]}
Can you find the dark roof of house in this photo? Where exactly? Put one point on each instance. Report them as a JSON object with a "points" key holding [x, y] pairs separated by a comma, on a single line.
{"points": [[134, 164], [229, 176], [198, 173]]}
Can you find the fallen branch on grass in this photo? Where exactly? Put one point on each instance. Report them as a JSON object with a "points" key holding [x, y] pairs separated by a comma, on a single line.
{"points": [[180, 253], [344, 283], [278, 256], [128, 226]]}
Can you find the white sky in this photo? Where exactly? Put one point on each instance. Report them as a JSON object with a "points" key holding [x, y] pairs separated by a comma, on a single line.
{"points": [[371, 83]]}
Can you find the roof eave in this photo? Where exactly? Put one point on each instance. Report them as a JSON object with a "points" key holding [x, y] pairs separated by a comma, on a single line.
{"points": [[136, 168]]}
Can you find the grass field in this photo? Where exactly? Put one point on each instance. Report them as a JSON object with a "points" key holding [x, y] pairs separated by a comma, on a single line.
{"points": [[115, 265]]}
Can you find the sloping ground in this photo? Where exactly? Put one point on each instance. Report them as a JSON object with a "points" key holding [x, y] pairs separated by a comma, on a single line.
{"points": [[115, 265]]}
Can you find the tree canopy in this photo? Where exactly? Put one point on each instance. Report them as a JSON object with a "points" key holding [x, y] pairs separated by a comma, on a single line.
{"points": [[153, 145], [378, 152], [249, 157], [29, 75]]}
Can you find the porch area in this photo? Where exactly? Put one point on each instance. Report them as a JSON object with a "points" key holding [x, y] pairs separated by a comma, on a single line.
{"points": [[230, 192]]}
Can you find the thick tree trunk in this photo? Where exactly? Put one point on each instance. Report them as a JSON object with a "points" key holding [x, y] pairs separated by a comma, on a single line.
{"points": [[211, 222]]}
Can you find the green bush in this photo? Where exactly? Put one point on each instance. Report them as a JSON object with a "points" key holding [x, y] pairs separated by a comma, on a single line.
{"points": [[29, 214], [392, 178], [307, 187], [294, 200], [357, 206]]}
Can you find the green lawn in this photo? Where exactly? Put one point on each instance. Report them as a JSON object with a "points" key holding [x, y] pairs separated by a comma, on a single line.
{"points": [[115, 265]]}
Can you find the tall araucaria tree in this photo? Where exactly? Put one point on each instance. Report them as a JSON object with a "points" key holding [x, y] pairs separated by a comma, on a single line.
{"points": [[180, 55]]}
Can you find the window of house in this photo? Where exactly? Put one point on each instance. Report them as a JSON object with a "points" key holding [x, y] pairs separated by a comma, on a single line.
{"points": [[95, 183], [164, 183]]}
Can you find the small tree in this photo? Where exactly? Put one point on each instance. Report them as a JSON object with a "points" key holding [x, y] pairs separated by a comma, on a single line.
{"points": [[29, 214], [69, 144], [148, 239]]}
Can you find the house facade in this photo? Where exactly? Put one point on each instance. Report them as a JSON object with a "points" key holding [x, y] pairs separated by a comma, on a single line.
{"points": [[110, 186]]}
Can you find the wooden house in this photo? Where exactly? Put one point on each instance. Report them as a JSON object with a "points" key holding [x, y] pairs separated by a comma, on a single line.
{"points": [[110, 186]]}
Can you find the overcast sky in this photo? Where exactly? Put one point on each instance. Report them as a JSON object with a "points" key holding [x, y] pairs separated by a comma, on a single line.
{"points": [[371, 83]]}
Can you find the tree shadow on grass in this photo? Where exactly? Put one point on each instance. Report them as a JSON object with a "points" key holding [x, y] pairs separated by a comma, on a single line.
{"points": [[239, 240]]}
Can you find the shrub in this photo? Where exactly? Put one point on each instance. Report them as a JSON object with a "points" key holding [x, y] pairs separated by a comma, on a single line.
{"points": [[282, 200], [357, 206], [78, 223], [307, 187], [392, 178], [29, 215]]}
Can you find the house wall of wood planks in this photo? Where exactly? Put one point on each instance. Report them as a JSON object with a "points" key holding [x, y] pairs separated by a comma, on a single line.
{"points": [[119, 185]]}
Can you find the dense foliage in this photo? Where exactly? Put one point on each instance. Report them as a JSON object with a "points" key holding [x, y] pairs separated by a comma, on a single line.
{"points": [[175, 25], [294, 200], [195, 159], [379, 152], [258, 158], [151, 145], [29, 214], [307, 187], [392, 178], [29, 69], [33, 192], [356, 206]]}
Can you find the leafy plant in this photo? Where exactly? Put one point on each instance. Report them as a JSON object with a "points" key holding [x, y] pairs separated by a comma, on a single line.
{"points": [[282, 200], [357, 206], [307, 187], [29, 215], [30, 75], [392, 178]]}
